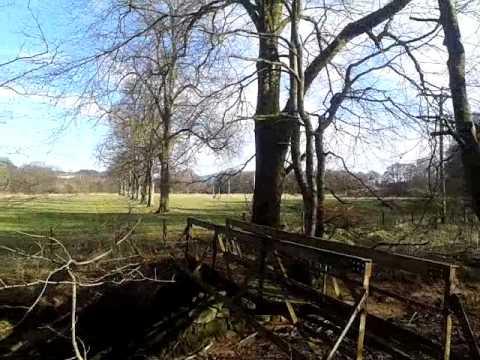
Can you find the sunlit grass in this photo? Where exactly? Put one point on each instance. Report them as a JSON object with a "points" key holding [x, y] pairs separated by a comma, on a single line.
{"points": [[90, 220], [85, 218]]}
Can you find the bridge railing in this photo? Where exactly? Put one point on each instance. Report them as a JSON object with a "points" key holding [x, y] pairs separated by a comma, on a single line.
{"points": [[268, 253], [442, 272], [263, 258]]}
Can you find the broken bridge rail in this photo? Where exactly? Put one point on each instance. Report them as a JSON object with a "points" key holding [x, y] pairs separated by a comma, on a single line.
{"points": [[251, 255]]}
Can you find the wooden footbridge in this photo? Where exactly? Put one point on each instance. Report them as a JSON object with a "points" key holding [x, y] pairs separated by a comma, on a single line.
{"points": [[337, 297]]}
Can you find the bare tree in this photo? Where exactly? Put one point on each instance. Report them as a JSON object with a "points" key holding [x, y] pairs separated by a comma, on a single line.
{"points": [[177, 102], [466, 133]]}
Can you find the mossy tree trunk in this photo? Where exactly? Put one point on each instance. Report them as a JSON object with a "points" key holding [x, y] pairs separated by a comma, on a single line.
{"points": [[164, 158], [465, 127], [272, 130]]}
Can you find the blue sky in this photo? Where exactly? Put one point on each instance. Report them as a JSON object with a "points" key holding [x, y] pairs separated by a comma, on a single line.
{"points": [[31, 128], [34, 130], [29, 125], [29, 132]]}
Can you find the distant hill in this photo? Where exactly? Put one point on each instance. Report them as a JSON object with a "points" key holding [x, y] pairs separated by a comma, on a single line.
{"points": [[88, 172], [80, 173], [4, 161]]}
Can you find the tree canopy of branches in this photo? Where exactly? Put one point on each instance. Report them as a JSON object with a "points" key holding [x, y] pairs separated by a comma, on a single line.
{"points": [[170, 107], [172, 76]]}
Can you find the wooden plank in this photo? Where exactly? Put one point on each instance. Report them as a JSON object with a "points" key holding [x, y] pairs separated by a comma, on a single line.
{"points": [[206, 225], [389, 260], [288, 304], [261, 259], [336, 309], [306, 252], [447, 314], [214, 249], [282, 344], [188, 237], [459, 310], [356, 311], [374, 289], [363, 312]]}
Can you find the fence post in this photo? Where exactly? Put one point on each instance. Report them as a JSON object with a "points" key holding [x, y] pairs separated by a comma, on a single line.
{"points": [[324, 280], [51, 242], [450, 277], [367, 272], [214, 249], [164, 230], [261, 266], [188, 235]]}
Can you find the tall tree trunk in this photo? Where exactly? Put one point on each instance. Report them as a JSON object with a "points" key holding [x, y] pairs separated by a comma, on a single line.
{"points": [[165, 169], [465, 128], [164, 186], [150, 183], [320, 179], [146, 184], [133, 187], [271, 141], [121, 188], [272, 131], [137, 187], [305, 179], [129, 185], [143, 191]]}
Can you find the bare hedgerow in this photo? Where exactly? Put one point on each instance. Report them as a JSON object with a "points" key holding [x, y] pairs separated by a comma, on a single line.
{"points": [[61, 268]]}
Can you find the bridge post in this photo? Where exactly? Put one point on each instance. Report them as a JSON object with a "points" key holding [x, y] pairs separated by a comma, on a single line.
{"points": [[214, 248], [188, 235], [262, 254], [367, 273], [450, 277]]}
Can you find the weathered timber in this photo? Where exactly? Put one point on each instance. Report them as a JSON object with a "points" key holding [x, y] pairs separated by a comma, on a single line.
{"points": [[206, 225], [306, 252], [407, 263], [360, 310], [282, 344], [260, 241], [337, 311], [447, 313], [356, 312], [458, 308]]}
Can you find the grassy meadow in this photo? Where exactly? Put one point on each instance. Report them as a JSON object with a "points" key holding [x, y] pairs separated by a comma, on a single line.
{"points": [[86, 219], [89, 221]]}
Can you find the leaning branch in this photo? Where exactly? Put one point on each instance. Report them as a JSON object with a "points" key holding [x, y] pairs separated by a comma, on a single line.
{"points": [[349, 32]]}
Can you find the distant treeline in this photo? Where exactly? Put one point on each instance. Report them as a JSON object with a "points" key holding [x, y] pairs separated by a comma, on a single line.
{"points": [[38, 178], [399, 179]]}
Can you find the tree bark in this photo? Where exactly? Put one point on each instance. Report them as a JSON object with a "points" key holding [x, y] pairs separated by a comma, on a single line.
{"points": [[164, 187], [465, 127], [143, 191], [320, 179], [272, 130], [165, 168], [305, 179], [150, 184], [137, 187]]}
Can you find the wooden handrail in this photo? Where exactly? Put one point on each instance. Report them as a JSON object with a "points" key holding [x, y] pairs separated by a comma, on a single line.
{"points": [[407, 263]]}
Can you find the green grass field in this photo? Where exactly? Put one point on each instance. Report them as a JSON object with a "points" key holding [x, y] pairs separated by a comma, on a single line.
{"points": [[86, 219]]}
